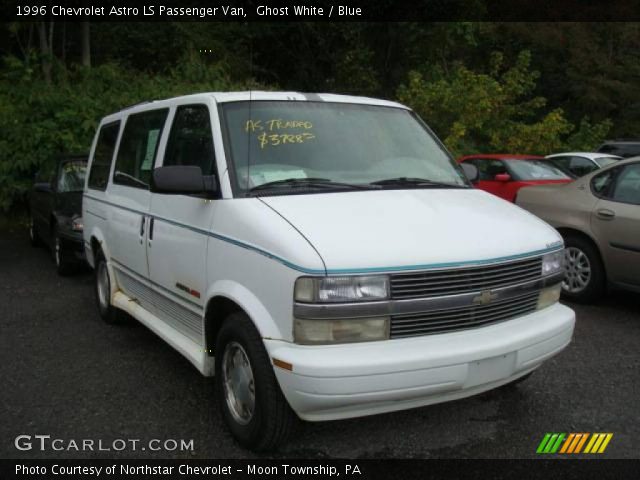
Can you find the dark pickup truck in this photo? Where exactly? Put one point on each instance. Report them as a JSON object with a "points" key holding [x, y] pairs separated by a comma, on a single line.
{"points": [[55, 203]]}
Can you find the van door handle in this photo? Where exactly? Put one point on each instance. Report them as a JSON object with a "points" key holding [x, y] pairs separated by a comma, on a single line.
{"points": [[142, 220], [151, 219], [605, 214]]}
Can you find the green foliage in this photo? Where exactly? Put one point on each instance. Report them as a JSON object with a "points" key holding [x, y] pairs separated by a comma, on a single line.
{"points": [[475, 83], [39, 121], [496, 111]]}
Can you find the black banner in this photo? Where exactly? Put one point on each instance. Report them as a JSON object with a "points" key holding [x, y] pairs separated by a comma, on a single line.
{"points": [[292, 469], [323, 10]]}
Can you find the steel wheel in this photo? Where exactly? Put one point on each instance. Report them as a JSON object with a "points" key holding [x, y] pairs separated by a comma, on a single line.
{"points": [[578, 270], [239, 386], [102, 280]]}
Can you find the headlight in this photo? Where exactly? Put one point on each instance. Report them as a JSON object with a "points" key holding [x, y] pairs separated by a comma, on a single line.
{"points": [[77, 225], [341, 289], [549, 296], [553, 263], [318, 332]]}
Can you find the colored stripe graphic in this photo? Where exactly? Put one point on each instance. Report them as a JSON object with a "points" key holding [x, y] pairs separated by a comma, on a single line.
{"points": [[567, 443], [581, 442], [573, 443]]}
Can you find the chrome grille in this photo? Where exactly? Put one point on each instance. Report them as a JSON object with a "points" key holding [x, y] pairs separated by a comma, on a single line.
{"points": [[447, 320], [436, 283]]}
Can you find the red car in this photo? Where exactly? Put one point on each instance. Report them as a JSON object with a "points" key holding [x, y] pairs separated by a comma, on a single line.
{"points": [[504, 174]]}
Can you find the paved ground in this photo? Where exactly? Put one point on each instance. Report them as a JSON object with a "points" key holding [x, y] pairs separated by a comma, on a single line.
{"points": [[66, 374]]}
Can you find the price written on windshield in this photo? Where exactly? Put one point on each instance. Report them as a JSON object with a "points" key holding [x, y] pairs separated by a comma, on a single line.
{"points": [[276, 131]]}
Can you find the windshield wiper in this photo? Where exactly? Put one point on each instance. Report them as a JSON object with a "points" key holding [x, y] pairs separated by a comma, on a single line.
{"points": [[415, 183], [309, 182]]}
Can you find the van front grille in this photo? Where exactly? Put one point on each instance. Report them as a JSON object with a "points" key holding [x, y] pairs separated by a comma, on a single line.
{"points": [[452, 319], [436, 283]]}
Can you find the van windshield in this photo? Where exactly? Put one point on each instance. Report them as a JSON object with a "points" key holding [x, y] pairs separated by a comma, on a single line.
{"points": [[308, 147]]}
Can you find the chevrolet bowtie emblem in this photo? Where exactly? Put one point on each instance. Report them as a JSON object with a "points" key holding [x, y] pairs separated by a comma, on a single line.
{"points": [[485, 298]]}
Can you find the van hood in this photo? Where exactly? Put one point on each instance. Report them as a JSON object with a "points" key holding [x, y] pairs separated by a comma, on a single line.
{"points": [[389, 230]]}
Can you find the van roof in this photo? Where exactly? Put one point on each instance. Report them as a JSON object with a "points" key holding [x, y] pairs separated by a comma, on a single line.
{"points": [[260, 95]]}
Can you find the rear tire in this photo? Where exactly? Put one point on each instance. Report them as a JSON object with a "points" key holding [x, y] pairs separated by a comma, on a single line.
{"points": [[34, 238], [585, 275], [102, 290], [60, 256], [253, 406]]}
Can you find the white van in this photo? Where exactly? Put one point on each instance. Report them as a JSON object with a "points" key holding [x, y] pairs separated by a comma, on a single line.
{"points": [[324, 250]]}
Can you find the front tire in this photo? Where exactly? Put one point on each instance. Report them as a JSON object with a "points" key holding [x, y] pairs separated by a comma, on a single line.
{"points": [[253, 406], [102, 290], [585, 275]]}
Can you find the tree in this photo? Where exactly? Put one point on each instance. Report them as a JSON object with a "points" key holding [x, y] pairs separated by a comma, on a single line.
{"points": [[494, 111]]}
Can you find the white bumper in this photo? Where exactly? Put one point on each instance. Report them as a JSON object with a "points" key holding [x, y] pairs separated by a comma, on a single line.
{"points": [[342, 381]]}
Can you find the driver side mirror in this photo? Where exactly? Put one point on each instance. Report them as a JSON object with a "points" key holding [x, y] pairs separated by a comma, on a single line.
{"points": [[470, 171], [182, 180], [502, 177]]}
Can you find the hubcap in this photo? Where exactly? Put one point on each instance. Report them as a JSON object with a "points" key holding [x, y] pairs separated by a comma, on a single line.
{"points": [[103, 285], [578, 270], [239, 387]]}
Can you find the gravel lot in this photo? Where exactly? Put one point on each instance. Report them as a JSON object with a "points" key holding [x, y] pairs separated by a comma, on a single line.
{"points": [[66, 374]]}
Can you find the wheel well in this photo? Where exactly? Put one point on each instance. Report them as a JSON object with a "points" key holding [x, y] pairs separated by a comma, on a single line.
{"points": [[218, 309], [95, 247]]}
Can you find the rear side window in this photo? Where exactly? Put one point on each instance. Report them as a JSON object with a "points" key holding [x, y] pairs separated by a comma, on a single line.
{"points": [[138, 148], [190, 140], [106, 144], [600, 184]]}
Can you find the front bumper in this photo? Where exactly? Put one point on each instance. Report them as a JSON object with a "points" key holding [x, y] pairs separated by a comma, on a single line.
{"points": [[342, 381]]}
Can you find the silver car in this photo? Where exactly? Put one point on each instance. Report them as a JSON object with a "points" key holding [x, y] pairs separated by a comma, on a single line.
{"points": [[599, 217], [578, 164]]}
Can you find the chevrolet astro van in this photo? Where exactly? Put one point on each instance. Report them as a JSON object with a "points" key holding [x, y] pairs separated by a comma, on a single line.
{"points": [[321, 256]]}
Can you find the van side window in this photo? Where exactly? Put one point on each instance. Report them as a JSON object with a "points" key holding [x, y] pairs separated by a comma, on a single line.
{"points": [[138, 148], [106, 144], [190, 141]]}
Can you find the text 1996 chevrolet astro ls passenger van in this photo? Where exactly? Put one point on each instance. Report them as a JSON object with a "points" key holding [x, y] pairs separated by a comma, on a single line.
{"points": [[321, 255]]}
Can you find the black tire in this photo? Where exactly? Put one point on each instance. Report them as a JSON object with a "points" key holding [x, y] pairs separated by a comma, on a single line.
{"points": [[34, 238], [596, 283], [108, 312], [272, 420], [64, 266]]}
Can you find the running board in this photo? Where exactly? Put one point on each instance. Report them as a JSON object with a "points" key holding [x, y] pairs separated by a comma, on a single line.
{"points": [[183, 344]]}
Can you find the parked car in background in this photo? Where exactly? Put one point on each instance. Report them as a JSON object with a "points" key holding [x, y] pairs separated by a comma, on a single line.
{"points": [[55, 203], [505, 174], [624, 147], [599, 217], [578, 164]]}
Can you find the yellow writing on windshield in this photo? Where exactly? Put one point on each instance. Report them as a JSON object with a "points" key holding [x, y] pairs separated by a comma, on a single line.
{"points": [[275, 139], [276, 124], [270, 131]]}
